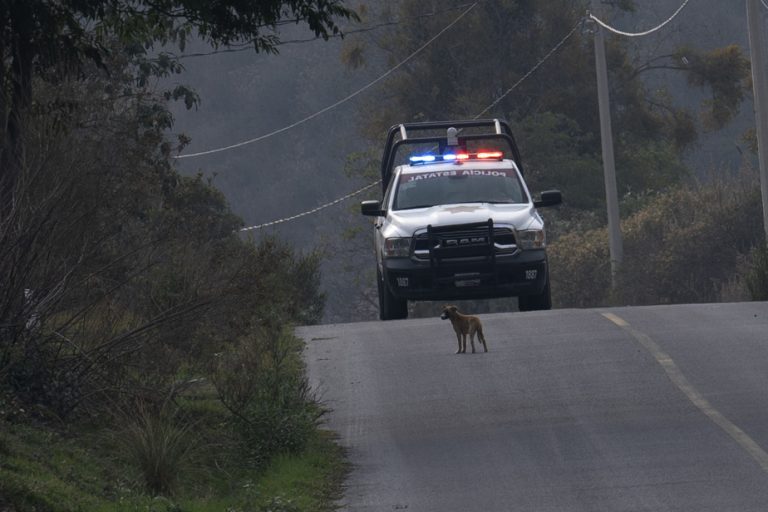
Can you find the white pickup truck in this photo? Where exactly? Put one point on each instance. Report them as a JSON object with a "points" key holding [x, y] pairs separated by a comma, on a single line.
{"points": [[456, 220]]}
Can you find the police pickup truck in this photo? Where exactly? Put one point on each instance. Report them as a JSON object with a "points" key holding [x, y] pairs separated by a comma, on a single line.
{"points": [[456, 220]]}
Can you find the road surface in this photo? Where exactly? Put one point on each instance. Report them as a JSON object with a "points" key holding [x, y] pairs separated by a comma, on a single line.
{"points": [[661, 408]]}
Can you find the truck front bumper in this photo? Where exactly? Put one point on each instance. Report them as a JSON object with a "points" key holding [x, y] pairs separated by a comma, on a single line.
{"points": [[510, 275]]}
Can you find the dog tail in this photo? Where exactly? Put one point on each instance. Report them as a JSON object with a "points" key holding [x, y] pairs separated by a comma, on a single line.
{"points": [[480, 333]]}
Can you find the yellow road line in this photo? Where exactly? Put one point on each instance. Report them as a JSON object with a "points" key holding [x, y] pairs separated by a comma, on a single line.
{"points": [[684, 385]]}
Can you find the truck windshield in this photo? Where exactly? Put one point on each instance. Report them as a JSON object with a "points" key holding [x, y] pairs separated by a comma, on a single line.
{"points": [[430, 188]]}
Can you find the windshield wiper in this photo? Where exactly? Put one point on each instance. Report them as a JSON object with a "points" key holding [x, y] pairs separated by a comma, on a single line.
{"points": [[415, 207], [489, 202]]}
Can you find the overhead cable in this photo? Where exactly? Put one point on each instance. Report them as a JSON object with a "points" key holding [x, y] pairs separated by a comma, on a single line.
{"points": [[314, 210], [529, 73], [334, 105], [645, 33]]}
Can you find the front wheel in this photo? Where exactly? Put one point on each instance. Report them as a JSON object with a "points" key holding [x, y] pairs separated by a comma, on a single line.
{"points": [[390, 307], [537, 302]]}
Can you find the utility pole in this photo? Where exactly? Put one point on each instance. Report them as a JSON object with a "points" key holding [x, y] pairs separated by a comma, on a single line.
{"points": [[615, 243], [755, 18]]}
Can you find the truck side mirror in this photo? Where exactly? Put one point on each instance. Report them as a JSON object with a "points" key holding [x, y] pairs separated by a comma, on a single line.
{"points": [[549, 198], [372, 208]]}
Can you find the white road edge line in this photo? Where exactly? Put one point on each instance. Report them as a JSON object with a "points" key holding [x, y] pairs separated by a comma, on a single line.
{"points": [[684, 385]]}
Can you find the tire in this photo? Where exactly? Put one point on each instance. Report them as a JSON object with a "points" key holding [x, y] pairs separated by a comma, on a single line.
{"points": [[390, 307], [542, 301]]}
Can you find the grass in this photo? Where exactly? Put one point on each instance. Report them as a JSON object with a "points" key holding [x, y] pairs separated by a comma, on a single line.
{"points": [[307, 482], [297, 476], [192, 453], [42, 471], [45, 471]]}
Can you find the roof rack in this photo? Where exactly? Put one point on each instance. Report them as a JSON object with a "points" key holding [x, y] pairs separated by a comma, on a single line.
{"points": [[413, 133]]}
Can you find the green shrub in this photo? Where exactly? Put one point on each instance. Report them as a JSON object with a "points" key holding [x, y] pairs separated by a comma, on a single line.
{"points": [[271, 427], [684, 245], [261, 381], [581, 269]]}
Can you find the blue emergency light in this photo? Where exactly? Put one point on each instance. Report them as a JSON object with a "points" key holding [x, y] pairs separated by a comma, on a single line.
{"points": [[418, 159]]}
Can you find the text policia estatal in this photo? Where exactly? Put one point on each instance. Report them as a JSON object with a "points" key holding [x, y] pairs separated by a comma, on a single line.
{"points": [[462, 172]]}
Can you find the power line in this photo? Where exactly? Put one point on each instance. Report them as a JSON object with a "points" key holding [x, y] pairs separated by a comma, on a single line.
{"points": [[530, 72], [314, 210], [334, 105], [639, 34]]}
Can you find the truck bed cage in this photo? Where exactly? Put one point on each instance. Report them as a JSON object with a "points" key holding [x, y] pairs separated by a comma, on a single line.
{"points": [[409, 133]]}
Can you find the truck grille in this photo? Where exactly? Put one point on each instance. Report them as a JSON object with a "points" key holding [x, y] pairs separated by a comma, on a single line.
{"points": [[458, 239]]}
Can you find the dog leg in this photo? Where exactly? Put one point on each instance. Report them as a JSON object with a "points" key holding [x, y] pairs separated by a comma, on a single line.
{"points": [[472, 341], [458, 337]]}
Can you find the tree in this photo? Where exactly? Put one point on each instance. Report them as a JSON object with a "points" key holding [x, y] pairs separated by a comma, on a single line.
{"points": [[554, 109], [114, 269], [51, 40]]}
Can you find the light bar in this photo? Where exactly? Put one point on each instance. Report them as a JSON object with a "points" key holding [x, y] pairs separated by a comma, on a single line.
{"points": [[457, 157]]}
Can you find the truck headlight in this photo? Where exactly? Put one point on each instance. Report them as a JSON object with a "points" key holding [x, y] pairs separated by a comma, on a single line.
{"points": [[397, 247], [531, 239]]}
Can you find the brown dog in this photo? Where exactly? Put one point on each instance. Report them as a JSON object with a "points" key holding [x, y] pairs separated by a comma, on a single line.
{"points": [[463, 325]]}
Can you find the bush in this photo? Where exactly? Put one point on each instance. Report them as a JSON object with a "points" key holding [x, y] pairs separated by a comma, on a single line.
{"points": [[684, 245], [270, 428], [261, 381], [581, 269], [158, 443]]}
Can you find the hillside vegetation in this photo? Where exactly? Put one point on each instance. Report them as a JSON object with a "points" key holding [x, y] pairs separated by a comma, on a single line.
{"points": [[147, 347], [147, 355], [701, 242]]}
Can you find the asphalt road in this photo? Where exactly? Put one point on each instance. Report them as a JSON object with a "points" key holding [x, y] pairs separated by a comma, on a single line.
{"points": [[660, 408]]}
